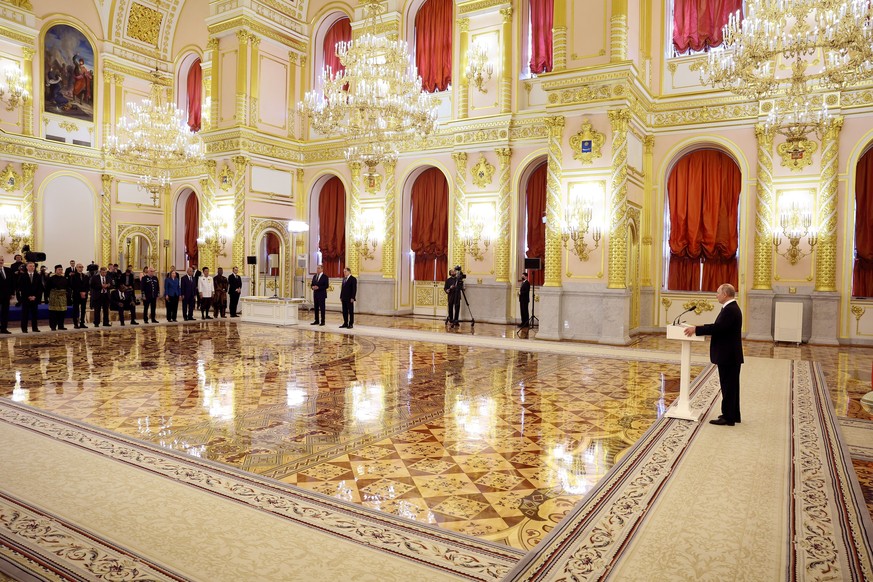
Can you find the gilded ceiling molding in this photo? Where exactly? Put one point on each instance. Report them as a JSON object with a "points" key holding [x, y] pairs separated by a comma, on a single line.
{"points": [[468, 8], [144, 24], [244, 22], [21, 37]]}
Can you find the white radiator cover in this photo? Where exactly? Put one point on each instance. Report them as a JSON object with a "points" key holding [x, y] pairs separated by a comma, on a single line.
{"points": [[788, 323]]}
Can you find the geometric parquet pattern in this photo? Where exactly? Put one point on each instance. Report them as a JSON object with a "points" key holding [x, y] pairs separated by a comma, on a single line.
{"points": [[493, 443]]}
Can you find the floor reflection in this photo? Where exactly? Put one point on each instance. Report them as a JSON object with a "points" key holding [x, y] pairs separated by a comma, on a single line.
{"points": [[493, 443]]}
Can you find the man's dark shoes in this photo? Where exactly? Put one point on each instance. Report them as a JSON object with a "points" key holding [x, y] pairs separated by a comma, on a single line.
{"points": [[736, 421], [721, 422], [344, 326], [314, 323]]}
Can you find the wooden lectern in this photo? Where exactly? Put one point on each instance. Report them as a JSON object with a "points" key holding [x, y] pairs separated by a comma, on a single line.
{"points": [[682, 407]]}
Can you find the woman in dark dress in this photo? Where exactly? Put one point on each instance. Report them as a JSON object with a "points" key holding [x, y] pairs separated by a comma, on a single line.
{"points": [[57, 298]]}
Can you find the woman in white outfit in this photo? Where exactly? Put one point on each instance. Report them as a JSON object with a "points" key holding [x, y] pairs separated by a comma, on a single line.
{"points": [[206, 289]]}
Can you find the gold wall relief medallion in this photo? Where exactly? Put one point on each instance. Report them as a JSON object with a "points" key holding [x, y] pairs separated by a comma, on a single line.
{"points": [[144, 24], [225, 178], [483, 172], [698, 305], [587, 143], [372, 182], [796, 154], [10, 180]]}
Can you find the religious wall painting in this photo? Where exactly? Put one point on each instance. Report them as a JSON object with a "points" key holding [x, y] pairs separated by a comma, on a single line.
{"points": [[69, 73]]}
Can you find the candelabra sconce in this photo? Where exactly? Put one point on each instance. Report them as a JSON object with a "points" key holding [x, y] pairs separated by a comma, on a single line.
{"points": [[795, 223], [577, 230], [474, 232], [479, 68], [17, 231], [215, 231], [366, 236], [14, 91]]}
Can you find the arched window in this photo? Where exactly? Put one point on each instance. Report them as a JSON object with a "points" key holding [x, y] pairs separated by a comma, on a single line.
{"points": [[862, 271], [539, 33], [189, 90], [433, 44], [430, 225], [698, 24], [703, 193], [332, 227], [535, 230], [339, 31]]}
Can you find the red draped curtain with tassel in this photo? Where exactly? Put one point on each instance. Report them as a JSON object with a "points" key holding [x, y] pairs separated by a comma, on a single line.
{"points": [[862, 272], [341, 30], [433, 44], [703, 193], [698, 24], [192, 229], [536, 230], [195, 95], [430, 226], [541, 22], [332, 227]]}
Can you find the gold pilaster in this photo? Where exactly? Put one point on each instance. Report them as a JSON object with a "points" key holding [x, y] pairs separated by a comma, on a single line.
{"points": [[506, 61], [27, 108], [108, 80], [504, 156], [764, 210], [254, 88], [459, 207], [353, 260], [214, 66], [106, 219], [238, 255], [826, 251], [300, 198], [118, 80], [464, 44], [618, 31], [27, 207], [647, 255], [619, 120], [242, 77], [554, 203], [206, 258], [559, 36], [388, 270]]}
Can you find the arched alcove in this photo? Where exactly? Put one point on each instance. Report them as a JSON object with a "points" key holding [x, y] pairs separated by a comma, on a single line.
{"points": [[528, 224], [186, 229]]}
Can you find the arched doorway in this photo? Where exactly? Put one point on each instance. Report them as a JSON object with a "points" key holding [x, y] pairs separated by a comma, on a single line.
{"points": [[269, 266], [428, 242], [137, 252], [532, 201], [186, 230]]}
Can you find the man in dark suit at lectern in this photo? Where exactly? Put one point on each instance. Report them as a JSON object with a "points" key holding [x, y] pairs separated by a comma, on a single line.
{"points": [[726, 352], [319, 285]]}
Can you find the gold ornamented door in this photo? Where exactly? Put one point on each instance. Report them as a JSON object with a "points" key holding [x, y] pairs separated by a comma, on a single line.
{"points": [[430, 299]]}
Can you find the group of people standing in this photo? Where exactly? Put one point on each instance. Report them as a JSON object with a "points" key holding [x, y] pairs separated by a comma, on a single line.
{"points": [[105, 288]]}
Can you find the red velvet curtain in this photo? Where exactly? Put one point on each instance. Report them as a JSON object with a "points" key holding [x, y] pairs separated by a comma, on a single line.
{"points": [[195, 95], [541, 22], [698, 24], [332, 227], [430, 226], [341, 30], [433, 44], [192, 229], [536, 230], [862, 273], [703, 193]]}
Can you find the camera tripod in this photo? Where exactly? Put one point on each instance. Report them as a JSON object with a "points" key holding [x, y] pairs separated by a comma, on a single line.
{"points": [[467, 303]]}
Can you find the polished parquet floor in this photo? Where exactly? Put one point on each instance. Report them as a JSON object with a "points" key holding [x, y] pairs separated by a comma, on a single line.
{"points": [[494, 443]]}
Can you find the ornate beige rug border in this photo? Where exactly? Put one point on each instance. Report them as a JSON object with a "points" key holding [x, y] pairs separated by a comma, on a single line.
{"points": [[448, 551]]}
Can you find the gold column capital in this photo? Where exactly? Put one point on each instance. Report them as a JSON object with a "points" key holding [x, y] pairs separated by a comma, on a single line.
{"points": [[618, 117], [764, 134], [243, 36], [239, 162], [460, 159], [503, 155], [556, 124], [506, 13], [28, 170], [649, 144], [464, 24], [212, 43], [28, 52]]}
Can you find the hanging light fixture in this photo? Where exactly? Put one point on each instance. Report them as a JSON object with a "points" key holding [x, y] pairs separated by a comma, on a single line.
{"points": [[376, 103], [157, 138], [789, 50]]}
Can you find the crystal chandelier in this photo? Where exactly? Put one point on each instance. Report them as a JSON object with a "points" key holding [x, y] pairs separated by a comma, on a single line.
{"points": [[376, 103], [790, 49], [156, 137]]}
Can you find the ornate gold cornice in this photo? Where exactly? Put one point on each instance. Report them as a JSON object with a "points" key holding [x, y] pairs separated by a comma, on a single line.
{"points": [[244, 22], [22, 37], [477, 5]]}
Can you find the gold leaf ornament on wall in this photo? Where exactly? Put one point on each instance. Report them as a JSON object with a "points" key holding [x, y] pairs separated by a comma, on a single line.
{"points": [[10, 180], [483, 172], [796, 154], [144, 24], [587, 143]]}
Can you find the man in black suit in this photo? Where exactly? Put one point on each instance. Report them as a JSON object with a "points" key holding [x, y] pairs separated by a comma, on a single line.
{"points": [[100, 284], [189, 294], [348, 294], [524, 301], [151, 290], [726, 352], [234, 289], [29, 289], [319, 285], [79, 284], [452, 288], [7, 290], [122, 300]]}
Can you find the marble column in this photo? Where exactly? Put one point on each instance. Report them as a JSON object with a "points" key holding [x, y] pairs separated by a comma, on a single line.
{"points": [[212, 80], [242, 78], [238, 255], [619, 119], [27, 204], [618, 31], [464, 47], [759, 300], [459, 208], [559, 36], [106, 219], [27, 108], [254, 81], [388, 258], [502, 254], [353, 259], [554, 198], [506, 61]]}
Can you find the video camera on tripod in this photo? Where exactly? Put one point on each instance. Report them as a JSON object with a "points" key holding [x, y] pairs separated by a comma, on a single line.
{"points": [[460, 275]]}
